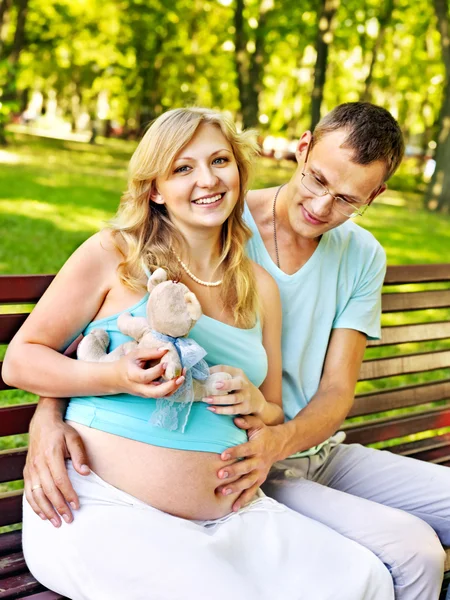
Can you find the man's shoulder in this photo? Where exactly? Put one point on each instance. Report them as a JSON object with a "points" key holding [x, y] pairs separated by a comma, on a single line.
{"points": [[355, 238]]}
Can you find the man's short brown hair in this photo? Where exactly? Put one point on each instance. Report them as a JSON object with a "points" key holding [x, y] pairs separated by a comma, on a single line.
{"points": [[373, 133]]}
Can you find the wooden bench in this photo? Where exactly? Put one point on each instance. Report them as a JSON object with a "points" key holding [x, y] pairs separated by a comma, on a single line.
{"points": [[427, 403]]}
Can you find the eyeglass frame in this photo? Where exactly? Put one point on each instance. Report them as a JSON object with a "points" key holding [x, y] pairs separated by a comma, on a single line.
{"points": [[356, 212]]}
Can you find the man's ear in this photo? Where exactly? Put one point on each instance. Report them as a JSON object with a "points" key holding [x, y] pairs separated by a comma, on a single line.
{"points": [[302, 146], [155, 196], [377, 192]]}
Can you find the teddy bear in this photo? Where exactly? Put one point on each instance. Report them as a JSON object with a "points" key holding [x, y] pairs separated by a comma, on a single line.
{"points": [[172, 311]]}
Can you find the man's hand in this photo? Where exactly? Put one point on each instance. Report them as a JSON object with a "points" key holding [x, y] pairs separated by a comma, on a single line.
{"points": [[257, 456], [47, 485]]}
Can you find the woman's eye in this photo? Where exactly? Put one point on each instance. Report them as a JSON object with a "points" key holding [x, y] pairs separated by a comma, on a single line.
{"points": [[220, 161], [182, 169]]}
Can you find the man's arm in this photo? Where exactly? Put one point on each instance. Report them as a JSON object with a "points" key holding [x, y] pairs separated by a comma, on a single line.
{"points": [[314, 424], [51, 441]]}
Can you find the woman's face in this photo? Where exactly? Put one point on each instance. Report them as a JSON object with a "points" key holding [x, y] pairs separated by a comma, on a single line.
{"points": [[202, 187]]}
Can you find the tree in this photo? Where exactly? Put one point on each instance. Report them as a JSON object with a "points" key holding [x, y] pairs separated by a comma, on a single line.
{"points": [[438, 193], [324, 39]]}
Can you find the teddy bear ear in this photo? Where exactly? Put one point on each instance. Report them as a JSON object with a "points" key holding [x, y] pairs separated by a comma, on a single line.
{"points": [[193, 306], [156, 278]]}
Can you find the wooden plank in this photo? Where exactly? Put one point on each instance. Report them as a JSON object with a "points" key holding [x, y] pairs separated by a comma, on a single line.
{"points": [[12, 564], [406, 301], [23, 289], [48, 595], [15, 419], [384, 429], [12, 462], [402, 334], [9, 325], [11, 508], [434, 455], [401, 397], [19, 586], [10, 542], [397, 274], [411, 448], [405, 364]]}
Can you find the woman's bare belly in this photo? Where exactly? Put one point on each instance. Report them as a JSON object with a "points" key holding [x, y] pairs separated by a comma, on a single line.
{"points": [[179, 482]]}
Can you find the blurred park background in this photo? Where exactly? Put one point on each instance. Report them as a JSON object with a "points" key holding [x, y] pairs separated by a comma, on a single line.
{"points": [[81, 79]]}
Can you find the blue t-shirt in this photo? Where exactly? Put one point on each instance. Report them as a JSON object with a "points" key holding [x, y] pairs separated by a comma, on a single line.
{"points": [[337, 288]]}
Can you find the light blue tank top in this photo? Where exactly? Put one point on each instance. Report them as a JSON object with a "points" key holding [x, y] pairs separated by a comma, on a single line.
{"points": [[129, 416]]}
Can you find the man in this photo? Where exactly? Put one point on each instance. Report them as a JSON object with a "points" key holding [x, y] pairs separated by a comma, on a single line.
{"points": [[330, 273]]}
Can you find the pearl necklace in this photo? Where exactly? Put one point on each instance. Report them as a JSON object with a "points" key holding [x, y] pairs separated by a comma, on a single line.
{"points": [[196, 279]]}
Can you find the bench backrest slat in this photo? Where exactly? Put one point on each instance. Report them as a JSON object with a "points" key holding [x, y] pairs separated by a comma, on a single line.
{"points": [[398, 274], [23, 289], [15, 419], [421, 332], [12, 463], [402, 397], [9, 325], [407, 301], [11, 507], [408, 363]]}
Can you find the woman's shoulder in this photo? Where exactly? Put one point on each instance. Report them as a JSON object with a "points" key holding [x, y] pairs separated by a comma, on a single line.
{"points": [[265, 283]]}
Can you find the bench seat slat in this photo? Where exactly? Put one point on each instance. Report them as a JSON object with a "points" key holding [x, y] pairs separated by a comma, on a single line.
{"points": [[46, 596], [12, 564], [16, 419], [407, 301], [402, 334], [434, 455], [401, 397], [19, 586], [388, 428], [405, 364], [10, 542], [398, 274], [12, 463], [11, 508], [23, 289]]}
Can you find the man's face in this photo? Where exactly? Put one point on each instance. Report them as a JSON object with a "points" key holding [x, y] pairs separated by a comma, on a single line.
{"points": [[311, 215]]}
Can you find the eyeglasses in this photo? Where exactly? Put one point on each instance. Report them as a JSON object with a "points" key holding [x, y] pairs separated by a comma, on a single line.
{"points": [[313, 185]]}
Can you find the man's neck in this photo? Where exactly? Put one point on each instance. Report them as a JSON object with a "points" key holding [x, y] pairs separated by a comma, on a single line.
{"points": [[293, 249]]}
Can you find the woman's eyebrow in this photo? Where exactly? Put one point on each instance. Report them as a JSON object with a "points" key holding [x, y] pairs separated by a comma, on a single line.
{"points": [[213, 154], [317, 172]]}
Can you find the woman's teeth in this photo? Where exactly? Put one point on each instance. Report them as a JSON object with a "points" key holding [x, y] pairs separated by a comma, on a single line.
{"points": [[208, 200]]}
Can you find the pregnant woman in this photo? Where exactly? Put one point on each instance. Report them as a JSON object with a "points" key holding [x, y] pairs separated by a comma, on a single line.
{"points": [[151, 524]]}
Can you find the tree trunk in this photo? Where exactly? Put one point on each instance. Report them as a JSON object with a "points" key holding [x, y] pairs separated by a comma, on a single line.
{"points": [[5, 5], [19, 35], [438, 193], [323, 40], [240, 55], [384, 21]]}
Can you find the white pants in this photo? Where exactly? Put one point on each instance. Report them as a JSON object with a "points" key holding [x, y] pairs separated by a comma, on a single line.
{"points": [[119, 548], [390, 504]]}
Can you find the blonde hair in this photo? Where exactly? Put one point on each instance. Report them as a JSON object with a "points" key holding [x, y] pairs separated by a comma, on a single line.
{"points": [[149, 234]]}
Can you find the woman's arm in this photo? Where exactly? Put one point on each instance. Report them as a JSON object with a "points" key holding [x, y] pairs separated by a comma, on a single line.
{"points": [[265, 401], [34, 361]]}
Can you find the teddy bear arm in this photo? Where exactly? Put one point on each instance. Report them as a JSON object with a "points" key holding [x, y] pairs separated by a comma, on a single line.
{"points": [[134, 327]]}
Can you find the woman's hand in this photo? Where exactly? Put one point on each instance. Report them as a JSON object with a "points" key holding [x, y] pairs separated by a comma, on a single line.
{"points": [[138, 374], [240, 396]]}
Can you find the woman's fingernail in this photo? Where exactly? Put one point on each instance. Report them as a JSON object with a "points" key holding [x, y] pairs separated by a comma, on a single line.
{"points": [[179, 380], [211, 408], [161, 349], [66, 518], [55, 523], [219, 385], [224, 474], [73, 506], [43, 517], [85, 469], [226, 457], [206, 399], [227, 492], [236, 507], [164, 365]]}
